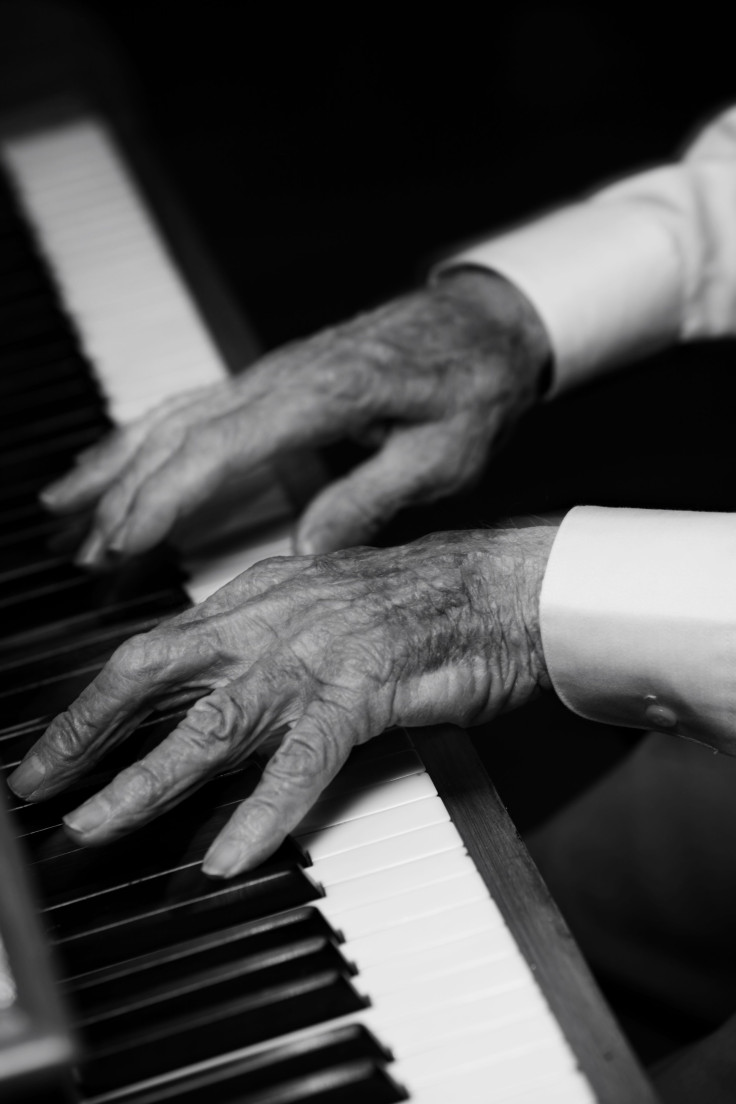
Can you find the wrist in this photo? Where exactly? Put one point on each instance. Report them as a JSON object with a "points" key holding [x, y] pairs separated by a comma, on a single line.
{"points": [[518, 561], [508, 319]]}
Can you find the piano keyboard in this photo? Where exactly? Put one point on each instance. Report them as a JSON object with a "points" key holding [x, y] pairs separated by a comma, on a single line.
{"points": [[382, 971]]}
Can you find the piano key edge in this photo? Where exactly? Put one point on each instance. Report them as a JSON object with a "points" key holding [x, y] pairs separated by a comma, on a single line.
{"points": [[602, 1052]]}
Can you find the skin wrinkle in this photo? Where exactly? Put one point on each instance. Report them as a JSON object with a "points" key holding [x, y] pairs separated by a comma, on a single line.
{"points": [[339, 645], [460, 360], [343, 648]]}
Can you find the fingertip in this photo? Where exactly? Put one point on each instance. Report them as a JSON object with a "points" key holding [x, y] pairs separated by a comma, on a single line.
{"points": [[93, 551], [85, 820], [224, 859], [49, 496], [28, 777], [317, 540]]}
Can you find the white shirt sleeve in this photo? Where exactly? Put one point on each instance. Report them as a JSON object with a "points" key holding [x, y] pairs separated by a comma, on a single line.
{"points": [[643, 263], [638, 607], [638, 615]]}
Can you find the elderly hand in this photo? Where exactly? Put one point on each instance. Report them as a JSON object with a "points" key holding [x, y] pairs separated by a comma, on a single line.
{"points": [[432, 379], [338, 647]]}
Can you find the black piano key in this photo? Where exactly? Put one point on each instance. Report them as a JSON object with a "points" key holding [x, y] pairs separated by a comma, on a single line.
{"points": [[15, 742], [47, 458], [169, 963], [22, 513], [20, 326], [178, 844], [84, 941], [139, 615], [207, 986], [77, 596], [59, 395], [165, 601], [44, 364], [20, 491], [17, 706], [240, 1022], [226, 1082], [185, 887], [172, 841], [363, 1082], [58, 659], [46, 424]]}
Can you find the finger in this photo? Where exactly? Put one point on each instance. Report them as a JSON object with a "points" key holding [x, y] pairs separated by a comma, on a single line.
{"points": [[97, 467], [407, 470], [142, 669], [145, 505], [218, 731], [142, 511], [104, 713], [309, 757]]}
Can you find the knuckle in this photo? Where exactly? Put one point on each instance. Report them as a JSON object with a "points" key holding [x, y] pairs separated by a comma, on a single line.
{"points": [[216, 720], [140, 653], [139, 784], [65, 739], [306, 757], [111, 507]]}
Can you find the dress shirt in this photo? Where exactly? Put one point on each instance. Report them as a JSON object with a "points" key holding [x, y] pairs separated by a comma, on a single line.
{"points": [[638, 606]]}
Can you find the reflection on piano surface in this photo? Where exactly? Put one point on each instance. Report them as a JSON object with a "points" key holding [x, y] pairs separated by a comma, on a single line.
{"points": [[367, 960]]}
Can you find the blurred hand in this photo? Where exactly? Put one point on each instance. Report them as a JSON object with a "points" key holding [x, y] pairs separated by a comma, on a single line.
{"points": [[432, 380], [338, 647]]}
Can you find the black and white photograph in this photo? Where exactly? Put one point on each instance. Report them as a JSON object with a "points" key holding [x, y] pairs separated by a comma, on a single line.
{"points": [[368, 554]]}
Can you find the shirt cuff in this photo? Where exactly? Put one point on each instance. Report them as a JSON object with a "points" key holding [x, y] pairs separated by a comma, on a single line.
{"points": [[638, 617], [604, 277]]}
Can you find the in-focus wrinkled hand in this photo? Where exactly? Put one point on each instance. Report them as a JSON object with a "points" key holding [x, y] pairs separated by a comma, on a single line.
{"points": [[432, 380], [338, 647]]}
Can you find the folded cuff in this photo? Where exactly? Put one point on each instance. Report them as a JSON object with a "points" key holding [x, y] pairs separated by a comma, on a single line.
{"points": [[604, 277], [638, 616]]}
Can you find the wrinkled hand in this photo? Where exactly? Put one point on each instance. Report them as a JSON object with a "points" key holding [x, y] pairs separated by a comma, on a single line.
{"points": [[432, 379], [339, 647]]}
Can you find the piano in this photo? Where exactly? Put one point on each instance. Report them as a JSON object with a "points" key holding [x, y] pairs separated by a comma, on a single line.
{"points": [[401, 944]]}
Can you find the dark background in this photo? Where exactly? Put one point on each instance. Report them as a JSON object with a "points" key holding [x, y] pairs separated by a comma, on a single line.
{"points": [[328, 161]]}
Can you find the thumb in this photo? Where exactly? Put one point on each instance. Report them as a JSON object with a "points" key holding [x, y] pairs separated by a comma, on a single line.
{"points": [[351, 510]]}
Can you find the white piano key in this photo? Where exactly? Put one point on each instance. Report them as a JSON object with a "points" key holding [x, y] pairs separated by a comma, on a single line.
{"points": [[496, 1076], [421, 1029], [369, 858], [207, 575], [407, 878], [370, 829], [490, 979], [404, 908], [327, 813], [85, 272], [513, 1037], [570, 1088], [374, 772], [425, 965], [441, 927]]}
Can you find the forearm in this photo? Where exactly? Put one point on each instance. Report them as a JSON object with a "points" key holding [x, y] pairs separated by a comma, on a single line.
{"points": [[638, 266]]}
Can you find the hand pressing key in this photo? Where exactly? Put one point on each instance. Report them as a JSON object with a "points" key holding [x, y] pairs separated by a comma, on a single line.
{"points": [[337, 647], [432, 380]]}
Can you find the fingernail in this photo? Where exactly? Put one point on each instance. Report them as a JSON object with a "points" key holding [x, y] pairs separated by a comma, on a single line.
{"points": [[116, 547], [91, 552], [223, 860], [26, 779], [87, 817], [49, 495], [305, 546]]}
